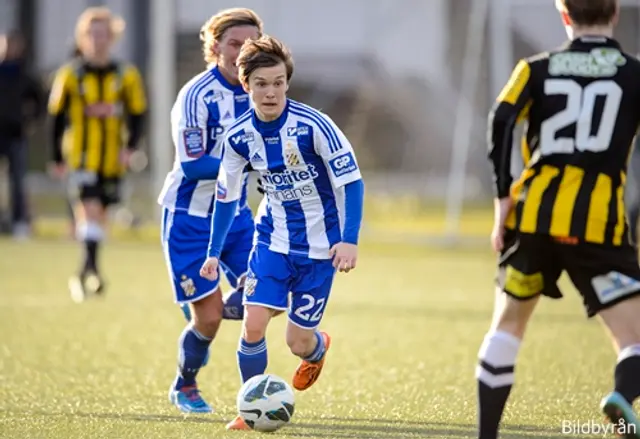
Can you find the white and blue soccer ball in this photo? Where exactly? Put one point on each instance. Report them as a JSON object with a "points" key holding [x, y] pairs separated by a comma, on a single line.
{"points": [[266, 402]]}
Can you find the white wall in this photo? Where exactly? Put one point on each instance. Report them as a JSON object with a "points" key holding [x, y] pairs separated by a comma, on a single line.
{"points": [[411, 39], [55, 29], [8, 15]]}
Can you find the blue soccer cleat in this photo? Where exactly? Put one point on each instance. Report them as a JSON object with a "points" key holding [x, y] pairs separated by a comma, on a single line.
{"points": [[188, 400], [620, 413]]}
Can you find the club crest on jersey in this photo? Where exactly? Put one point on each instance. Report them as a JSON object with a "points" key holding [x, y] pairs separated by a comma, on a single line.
{"points": [[193, 142], [291, 156], [188, 286]]}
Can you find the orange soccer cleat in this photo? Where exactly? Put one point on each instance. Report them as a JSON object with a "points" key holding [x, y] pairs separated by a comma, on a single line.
{"points": [[238, 424], [307, 373]]}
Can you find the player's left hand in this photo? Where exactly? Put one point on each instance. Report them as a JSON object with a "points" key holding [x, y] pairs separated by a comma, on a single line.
{"points": [[209, 269], [501, 209], [125, 157], [344, 256]]}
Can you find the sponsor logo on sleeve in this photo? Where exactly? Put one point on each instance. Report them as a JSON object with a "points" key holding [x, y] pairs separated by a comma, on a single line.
{"points": [[343, 164]]}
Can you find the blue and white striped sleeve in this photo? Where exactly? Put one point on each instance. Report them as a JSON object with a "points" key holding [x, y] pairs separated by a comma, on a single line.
{"points": [[189, 131], [336, 151], [230, 177], [228, 190]]}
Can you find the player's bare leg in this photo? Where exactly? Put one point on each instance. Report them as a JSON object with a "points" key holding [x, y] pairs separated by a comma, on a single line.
{"points": [[89, 220], [193, 349], [252, 350], [624, 327], [311, 346], [497, 359]]}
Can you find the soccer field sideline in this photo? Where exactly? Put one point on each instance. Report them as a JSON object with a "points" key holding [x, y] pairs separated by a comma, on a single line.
{"points": [[384, 225]]}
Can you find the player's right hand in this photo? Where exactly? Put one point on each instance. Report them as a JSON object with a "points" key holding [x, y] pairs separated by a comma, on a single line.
{"points": [[344, 256], [502, 207], [57, 170], [209, 269]]}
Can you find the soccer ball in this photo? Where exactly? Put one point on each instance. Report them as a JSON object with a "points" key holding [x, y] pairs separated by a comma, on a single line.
{"points": [[265, 402]]}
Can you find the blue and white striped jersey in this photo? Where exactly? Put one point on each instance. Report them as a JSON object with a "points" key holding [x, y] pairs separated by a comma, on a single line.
{"points": [[304, 161], [205, 108]]}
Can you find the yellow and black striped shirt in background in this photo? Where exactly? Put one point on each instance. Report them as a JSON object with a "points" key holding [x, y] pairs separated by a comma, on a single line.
{"points": [[97, 111], [581, 105]]}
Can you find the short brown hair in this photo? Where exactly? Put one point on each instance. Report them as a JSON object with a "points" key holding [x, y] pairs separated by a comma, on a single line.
{"points": [[266, 51], [95, 14], [216, 26], [589, 12]]}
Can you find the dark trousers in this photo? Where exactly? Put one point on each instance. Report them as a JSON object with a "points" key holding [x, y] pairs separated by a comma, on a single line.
{"points": [[14, 150]]}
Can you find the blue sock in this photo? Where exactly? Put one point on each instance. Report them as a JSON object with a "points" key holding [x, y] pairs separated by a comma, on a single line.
{"points": [[252, 358], [233, 308], [318, 352], [193, 348], [186, 311]]}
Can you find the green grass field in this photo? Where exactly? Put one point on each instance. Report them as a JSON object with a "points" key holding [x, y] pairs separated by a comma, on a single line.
{"points": [[406, 328]]}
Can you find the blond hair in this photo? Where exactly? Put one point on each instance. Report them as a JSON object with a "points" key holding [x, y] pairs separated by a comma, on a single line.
{"points": [[266, 51], [98, 14], [214, 29]]}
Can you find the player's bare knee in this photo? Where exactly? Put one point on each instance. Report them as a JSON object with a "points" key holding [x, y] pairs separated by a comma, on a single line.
{"points": [[207, 314], [89, 222], [255, 323], [208, 323], [93, 210], [512, 315], [623, 322]]}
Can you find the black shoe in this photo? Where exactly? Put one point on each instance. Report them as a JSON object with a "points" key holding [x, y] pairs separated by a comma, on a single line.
{"points": [[94, 284]]}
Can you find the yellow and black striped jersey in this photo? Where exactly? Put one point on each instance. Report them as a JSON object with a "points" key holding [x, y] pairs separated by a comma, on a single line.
{"points": [[94, 107], [581, 105]]}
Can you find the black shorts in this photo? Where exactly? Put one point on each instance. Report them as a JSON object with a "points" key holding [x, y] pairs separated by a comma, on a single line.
{"points": [[530, 265], [90, 186]]}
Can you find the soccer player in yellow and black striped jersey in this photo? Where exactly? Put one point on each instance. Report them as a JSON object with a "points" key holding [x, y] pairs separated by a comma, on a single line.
{"points": [[565, 212], [98, 105]]}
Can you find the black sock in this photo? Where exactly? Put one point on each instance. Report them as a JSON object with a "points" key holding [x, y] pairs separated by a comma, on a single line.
{"points": [[495, 374], [627, 374], [90, 256]]}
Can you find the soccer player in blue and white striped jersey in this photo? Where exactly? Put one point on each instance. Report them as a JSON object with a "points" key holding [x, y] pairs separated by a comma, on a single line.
{"points": [[308, 222], [205, 108]]}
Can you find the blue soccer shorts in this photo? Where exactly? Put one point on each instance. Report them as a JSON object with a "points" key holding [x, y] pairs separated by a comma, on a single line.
{"points": [[272, 276], [185, 241]]}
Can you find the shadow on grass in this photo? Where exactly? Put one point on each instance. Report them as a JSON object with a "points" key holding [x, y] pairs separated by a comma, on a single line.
{"points": [[136, 417], [363, 428], [326, 427], [462, 313]]}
